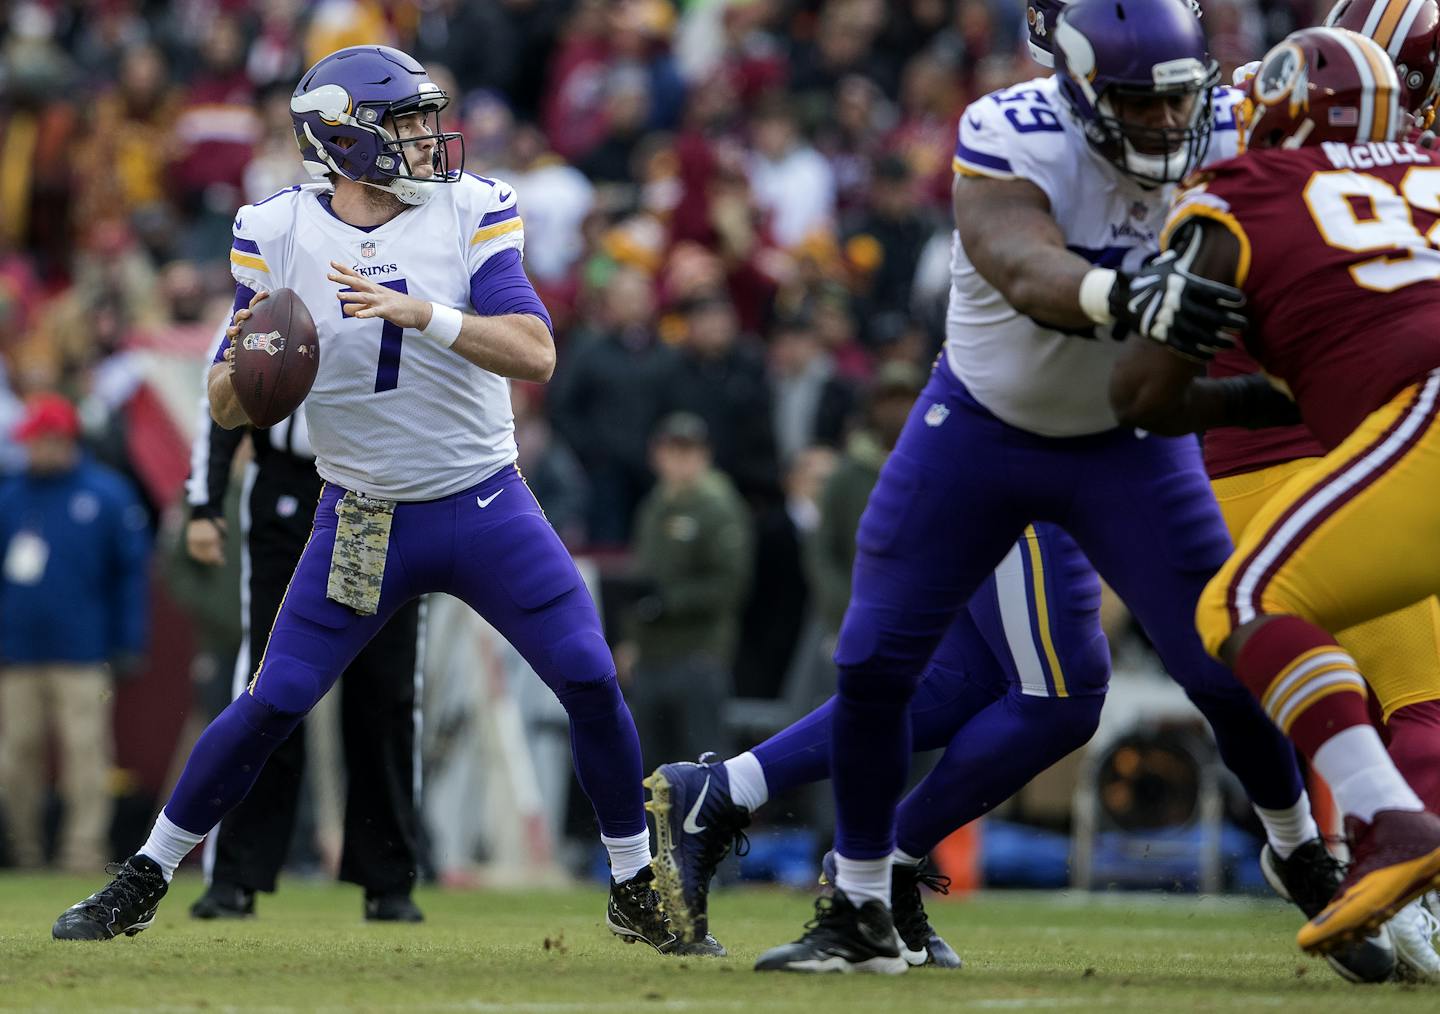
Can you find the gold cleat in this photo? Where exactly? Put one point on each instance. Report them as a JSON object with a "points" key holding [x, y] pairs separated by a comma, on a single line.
{"points": [[1397, 859], [667, 871]]}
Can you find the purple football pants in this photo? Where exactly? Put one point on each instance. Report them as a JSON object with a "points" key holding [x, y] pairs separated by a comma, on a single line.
{"points": [[489, 546], [952, 499], [1016, 683]]}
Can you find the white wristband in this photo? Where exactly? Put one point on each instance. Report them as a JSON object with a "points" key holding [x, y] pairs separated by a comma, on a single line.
{"points": [[444, 326], [1095, 295]]}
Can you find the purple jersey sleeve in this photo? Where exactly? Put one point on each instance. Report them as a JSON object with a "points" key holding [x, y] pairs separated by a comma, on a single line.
{"points": [[243, 295], [501, 287]]}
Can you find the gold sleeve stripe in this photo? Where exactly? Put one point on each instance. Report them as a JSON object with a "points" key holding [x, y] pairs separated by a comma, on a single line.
{"points": [[1195, 209], [965, 169], [245, 260], [496, 230]]}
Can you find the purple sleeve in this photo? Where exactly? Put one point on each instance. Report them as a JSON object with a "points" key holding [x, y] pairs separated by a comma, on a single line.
{"points": [[501, 287], [243, 295]]}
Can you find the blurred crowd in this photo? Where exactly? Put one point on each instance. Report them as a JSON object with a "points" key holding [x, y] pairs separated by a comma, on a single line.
{"points": [[737, 212]]}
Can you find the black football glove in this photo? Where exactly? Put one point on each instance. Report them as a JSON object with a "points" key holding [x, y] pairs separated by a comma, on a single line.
{"points": [[1167, 303]]}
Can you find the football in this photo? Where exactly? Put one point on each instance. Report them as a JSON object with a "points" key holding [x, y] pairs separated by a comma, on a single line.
{"points": [[276, 357]]}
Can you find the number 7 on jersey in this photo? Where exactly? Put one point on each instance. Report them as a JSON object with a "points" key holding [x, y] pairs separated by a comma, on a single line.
{"points": [[392, 337]]}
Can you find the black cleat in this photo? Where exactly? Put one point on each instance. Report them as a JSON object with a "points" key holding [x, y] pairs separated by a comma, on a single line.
{"points": [[696, 826], [634, 913], [707, 948], [396, 906], [841, 938], [1309, 879], [922, 945], [224, 901], [125, 905]]}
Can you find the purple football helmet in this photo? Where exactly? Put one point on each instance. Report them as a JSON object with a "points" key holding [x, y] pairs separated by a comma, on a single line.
{"points": [[340, 110], [1040, 18], [1111, 51]]}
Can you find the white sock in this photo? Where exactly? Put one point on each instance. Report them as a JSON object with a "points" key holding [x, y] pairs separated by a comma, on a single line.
{"points": [[747, 782], [863, 880], [904, 858], [1289, 828], [1361, 775], [628, 856], [168, 844]]}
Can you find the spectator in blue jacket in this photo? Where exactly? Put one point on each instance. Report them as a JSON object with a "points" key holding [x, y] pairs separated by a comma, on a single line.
{"points": [[74, 598]]}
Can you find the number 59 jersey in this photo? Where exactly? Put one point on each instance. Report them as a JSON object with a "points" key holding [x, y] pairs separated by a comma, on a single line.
{"points": [[392, 414], [1029, 374], [1340, 268]]}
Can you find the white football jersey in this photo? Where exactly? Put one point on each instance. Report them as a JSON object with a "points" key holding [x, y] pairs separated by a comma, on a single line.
{"points": [[1029, 375], [392, 414]]}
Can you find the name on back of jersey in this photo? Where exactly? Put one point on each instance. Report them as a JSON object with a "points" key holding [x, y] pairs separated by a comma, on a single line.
{"points": [[1373, 154]]}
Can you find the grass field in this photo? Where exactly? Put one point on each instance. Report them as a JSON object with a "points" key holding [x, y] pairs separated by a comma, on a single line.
{"points": [[548, 953]]}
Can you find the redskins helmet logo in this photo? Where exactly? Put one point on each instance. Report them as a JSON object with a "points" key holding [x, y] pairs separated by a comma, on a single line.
{"points": [[1281, 76]]}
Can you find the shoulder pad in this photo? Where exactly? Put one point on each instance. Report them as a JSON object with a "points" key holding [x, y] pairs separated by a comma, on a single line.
{"points": [[1012, 133], [490, 209], [271, 217], [258, 233]]}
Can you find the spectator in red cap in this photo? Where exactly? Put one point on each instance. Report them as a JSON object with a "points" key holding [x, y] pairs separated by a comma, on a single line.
{"points": [[73, 609]]}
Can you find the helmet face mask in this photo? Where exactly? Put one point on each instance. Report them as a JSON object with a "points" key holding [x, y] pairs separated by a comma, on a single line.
{"points": [[345, 111], [1125, 69], [1155, 155]]}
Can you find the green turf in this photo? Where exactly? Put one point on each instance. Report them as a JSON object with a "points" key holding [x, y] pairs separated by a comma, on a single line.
{"points": [[548, 953]]}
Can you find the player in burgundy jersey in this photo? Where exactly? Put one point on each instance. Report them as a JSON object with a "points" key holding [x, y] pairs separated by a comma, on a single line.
{"points": [[1399, 653], [1326, 225]]}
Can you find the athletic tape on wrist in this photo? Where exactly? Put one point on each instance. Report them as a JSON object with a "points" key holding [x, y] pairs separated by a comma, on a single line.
{"points": [[444, 326], [1095, 295]]}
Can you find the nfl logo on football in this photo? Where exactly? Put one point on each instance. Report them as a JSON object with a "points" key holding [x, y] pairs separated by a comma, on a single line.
{"points": [[367, 249]]}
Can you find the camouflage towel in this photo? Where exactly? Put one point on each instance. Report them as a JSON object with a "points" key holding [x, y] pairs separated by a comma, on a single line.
{"points": [[357, 563]]}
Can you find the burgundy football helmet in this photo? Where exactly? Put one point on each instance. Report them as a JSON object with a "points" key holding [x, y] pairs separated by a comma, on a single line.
{"points": [[1323, 84], [1409, 31]]}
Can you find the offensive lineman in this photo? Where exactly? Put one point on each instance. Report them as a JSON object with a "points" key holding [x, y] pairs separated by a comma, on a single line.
{"points": [[1065, 197], [410, 420]]}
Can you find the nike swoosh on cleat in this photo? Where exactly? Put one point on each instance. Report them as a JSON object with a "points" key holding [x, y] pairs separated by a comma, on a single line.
{"points": [[486, 501], [690, 826]]}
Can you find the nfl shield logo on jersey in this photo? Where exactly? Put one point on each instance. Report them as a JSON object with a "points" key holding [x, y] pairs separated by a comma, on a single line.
{"points": [[367, 248], [936, 414]]}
